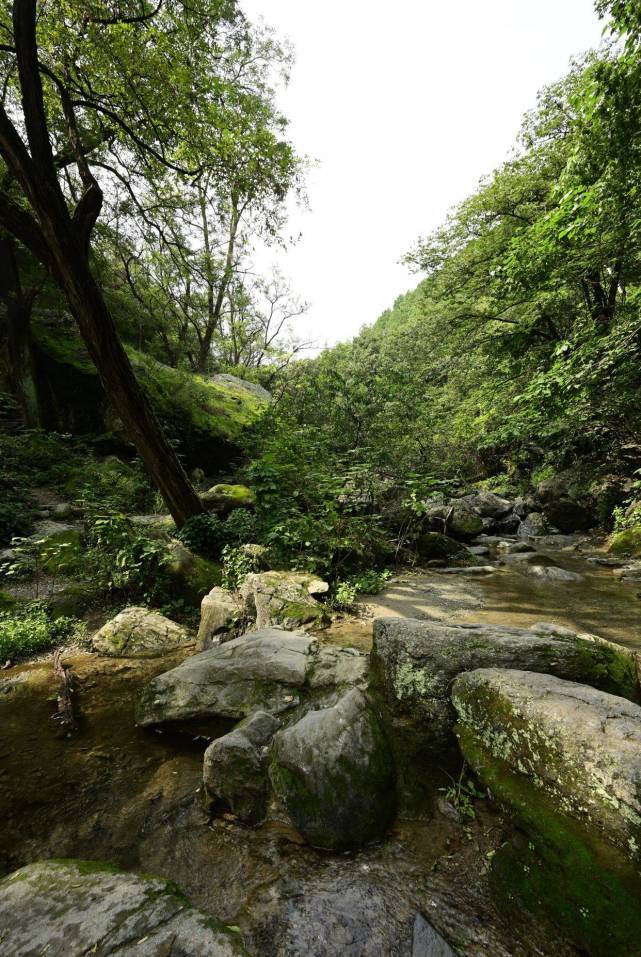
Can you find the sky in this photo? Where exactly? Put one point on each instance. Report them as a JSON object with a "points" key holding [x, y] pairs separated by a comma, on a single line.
{"points": [[405, 106]]}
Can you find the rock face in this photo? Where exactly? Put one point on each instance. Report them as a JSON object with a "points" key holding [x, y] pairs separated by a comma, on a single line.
{"points": [[333, 770], [139, 633], [462, 521], [579, 746], [219, 613], [283, 598], [488, 505], [235, 767], [270, 670], [264, 670], [416, 662], [74, 908], [562, 505]]}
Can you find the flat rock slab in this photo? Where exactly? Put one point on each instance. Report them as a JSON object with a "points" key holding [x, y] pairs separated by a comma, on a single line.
{"points": [[75, 908], [579, 746], [139, 633], [268, 670], [263, 670], [416, 662]]}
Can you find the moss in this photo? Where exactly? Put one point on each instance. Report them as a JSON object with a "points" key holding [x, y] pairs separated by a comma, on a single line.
{"points": [[606, 668], [561, 868], [435, 546], [299, 612], [627, 542]]}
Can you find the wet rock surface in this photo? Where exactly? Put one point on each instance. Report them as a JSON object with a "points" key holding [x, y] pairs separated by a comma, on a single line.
{"points": [[74, 908]]}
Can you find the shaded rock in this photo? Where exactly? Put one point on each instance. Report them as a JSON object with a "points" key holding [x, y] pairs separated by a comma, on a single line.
{"points": [[523, 505], [191, 576], [220, 612], [139, 633], [569, 516], [225, 498], [534, 525], [514, 548], [434, 546], [264, 670], [416, 661], [488, 505], [335, 667], [427, 942], [479, 550], [283, 598], [333, 770], [462, 522], [508, 525], [579, 746], [235, 767], [73, 908]]}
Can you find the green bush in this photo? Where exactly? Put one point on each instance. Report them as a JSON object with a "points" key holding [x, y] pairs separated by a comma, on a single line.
{"points": [[369, 582], [30, 628], [203, 534], [121, 557]]}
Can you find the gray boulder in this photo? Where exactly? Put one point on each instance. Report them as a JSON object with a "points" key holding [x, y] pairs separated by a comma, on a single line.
{"points": [[551, 573], [534, 525], [220, 612], [427, 942], [235, 767], [264, 670], [415, 663], [268, 670], [333, 770], [579, 746], [140, 633], [564, 505], [462, 522], [283, 598], [488, 505], [74, 908]]}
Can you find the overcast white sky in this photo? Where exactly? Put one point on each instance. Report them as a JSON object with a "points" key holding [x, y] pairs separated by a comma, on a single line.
{"points": [[405, 105]]}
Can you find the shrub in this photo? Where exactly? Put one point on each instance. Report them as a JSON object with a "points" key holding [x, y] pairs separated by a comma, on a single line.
{"points": [[120, 556], [237, 564], [369, 582], [203, 534], [30, 628]]}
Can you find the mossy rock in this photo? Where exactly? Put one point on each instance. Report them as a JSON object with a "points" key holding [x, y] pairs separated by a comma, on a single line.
{"points": [[434, 546], [556, 867], [189, 576], [225, 498], [627, 542]]}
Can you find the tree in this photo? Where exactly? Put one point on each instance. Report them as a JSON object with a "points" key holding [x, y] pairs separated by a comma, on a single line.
{"points": [[87, 89]]}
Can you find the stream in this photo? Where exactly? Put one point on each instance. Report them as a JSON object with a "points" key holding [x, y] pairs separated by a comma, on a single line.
{"points": [[115, 792]]}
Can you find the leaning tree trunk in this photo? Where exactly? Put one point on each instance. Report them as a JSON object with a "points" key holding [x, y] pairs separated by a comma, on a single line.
{"points": [[101, 338]]}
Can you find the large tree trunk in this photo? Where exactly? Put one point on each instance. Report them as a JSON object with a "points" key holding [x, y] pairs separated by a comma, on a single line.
{"points": [[18, 308], [101, 338]]}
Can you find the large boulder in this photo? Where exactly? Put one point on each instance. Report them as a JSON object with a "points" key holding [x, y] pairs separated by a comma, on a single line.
{"points": [[533, 526], [462, 521], [263, 670], [189, 576], [415, 663], [334, 772], [580, 746], [220, 612], [140, 633], [283, 598], [564, 505], [488, 505], [270, 670], [235, 767], [565, 760], [74, 908], [434, 546]]}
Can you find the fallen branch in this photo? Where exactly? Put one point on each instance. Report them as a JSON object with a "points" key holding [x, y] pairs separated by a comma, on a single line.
{"points": [[64, 715]]}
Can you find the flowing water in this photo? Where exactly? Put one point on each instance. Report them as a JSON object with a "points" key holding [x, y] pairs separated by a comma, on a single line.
{"points": [[112, 791]]}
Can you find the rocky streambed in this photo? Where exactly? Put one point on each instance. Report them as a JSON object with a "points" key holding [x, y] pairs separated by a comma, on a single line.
{"points": [[434, 865]]}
